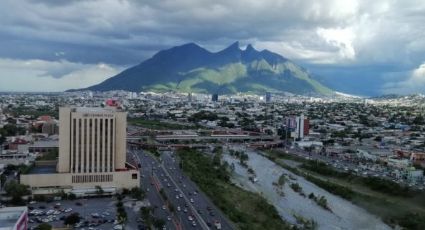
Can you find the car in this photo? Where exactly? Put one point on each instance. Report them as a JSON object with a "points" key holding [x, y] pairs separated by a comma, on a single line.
{"points": [[177, 197], [181, 195], [191, 200], [169, 218], [42, 207], [193, 223], [164, 207], [212, 213], [190, 218], [185, 210], [118, 227], [168, 185], [78, 204], [178, 208]]}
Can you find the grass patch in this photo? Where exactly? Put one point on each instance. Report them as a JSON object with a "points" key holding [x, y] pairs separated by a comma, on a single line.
{"points": [[246, 209]]}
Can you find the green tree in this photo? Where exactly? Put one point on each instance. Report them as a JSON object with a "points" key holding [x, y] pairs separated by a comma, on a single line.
{"points": [[137, 193], [12, 188], [72, 219], [44, 226], [99, 190], [2, 180], [158, 223]]}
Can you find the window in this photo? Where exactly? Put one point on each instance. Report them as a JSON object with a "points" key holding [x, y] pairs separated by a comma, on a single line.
{"points": [[134, 176]]}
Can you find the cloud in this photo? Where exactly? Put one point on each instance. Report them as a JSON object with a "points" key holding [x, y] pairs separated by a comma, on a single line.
{"points": [[320, 34], [52, 76], [415, 82]]}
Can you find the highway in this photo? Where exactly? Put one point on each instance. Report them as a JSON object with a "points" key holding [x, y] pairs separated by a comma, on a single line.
{"points": [[189, 188], [193, 209], [148, 184]]}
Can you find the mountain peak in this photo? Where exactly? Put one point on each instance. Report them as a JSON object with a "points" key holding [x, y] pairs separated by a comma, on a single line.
{"points": [[190, 67], [249, 48], [233, 46]]}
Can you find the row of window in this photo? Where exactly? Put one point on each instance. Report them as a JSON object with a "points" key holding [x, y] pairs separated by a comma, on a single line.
{"points": [[92, 178], [85, 157]]}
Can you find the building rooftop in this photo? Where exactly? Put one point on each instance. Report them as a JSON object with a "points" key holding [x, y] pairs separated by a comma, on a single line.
{"points": [[95, 109], [43, 169], [45, 144], [9, 216]]}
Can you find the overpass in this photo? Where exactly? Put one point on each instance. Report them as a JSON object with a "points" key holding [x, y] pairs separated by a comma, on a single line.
{"points": [[194, 137]]}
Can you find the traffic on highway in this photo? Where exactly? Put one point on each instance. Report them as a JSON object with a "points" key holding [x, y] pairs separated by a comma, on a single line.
{"points": [[177, 199]]}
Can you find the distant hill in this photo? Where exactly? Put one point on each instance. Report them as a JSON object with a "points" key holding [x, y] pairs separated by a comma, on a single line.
{"points": [[191, 68]]}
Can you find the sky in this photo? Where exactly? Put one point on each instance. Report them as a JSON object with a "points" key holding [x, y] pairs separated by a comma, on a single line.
{"points": [[360, 47]]}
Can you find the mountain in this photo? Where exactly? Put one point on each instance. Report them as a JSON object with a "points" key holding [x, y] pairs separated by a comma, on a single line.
{"points": [[191, 68]]}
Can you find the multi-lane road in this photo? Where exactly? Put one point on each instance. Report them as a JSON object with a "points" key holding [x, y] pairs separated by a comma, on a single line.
{"points": [[191, 208]]}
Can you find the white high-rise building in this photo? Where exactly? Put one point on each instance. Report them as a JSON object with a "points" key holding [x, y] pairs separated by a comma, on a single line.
{"points": [[300, 126], [92, 151]]}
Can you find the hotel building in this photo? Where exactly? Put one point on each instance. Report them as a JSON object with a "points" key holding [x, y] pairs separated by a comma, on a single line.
{"points": [[92, 152]]}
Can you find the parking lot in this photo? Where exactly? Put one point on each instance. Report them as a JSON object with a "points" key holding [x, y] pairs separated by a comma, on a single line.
{"points": [[97, 213]]}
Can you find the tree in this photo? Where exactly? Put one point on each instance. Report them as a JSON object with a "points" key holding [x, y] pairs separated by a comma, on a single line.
{"points": [[72, 219], [99, 190], [12, 188], [2, 180], [72, 196], [158, 223], [137, 193], [44, 226]]}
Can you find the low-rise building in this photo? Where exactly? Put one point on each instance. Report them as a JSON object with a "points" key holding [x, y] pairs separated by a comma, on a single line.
{"points": [[14, 218]]}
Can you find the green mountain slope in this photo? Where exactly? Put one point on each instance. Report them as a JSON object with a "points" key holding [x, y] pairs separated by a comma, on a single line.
{"points": [[190, 68]]}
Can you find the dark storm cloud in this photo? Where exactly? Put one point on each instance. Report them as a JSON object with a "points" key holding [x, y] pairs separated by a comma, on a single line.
{"points": [[328, 36]]}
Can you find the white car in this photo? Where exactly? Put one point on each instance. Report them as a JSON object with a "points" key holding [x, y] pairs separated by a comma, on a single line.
{"points": [[68, 210], [178, 208], [118, 227], [191, 200]]}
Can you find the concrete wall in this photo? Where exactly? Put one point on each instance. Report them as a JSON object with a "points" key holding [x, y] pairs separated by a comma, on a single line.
{"points": [[64, 139], [120, 180]]}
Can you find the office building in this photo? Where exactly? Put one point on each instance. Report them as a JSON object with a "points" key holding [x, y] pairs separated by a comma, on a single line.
{"points": [[214, 97], [268, 97], [298, 126], [92, 151]]}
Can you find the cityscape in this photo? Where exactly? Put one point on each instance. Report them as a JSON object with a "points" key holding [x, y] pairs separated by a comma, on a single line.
{"points": [[178, 115]]}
